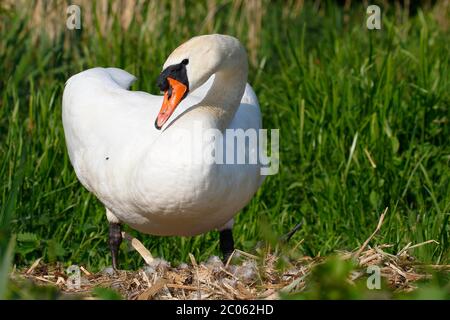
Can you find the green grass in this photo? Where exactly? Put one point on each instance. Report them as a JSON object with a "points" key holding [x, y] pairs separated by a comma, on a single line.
{"points": [[339, 93]]}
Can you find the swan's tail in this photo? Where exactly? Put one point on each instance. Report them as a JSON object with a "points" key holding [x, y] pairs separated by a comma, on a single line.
{"points": [[121, 77]]}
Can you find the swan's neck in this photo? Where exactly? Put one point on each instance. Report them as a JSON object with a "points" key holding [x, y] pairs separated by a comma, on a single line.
{"points": [[224, 96], [226, 58]]}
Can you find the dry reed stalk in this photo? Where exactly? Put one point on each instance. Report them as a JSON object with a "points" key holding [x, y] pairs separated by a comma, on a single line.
{"points": [[153, 17], [33, 266], [150, 292], [441, 12], [139, 247], [177, 12], [254, 13], [209, 20], [380, 223]]}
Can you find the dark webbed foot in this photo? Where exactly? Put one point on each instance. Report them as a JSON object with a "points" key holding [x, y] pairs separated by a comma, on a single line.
{"points": [[115, 239], [226, 243]]}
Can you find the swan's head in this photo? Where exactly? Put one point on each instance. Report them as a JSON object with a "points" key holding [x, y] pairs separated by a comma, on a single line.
{"points": [[190, 65], [175, 84]]}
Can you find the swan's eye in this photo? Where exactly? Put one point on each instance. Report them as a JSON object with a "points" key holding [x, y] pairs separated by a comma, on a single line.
{"points": [[162, 83], [176, 72]]}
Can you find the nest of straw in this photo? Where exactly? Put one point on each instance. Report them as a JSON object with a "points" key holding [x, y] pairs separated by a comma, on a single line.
{"points": [[252, 277]]}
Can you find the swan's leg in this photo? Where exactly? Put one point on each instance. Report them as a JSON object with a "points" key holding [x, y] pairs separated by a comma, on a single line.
{"points": [[226, 240], [115, 237]]}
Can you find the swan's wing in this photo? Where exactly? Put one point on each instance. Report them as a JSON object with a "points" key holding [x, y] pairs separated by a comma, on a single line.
{"points": [[249, 97], [100, 96], [122, 77], [248, 117], [95, 124]]}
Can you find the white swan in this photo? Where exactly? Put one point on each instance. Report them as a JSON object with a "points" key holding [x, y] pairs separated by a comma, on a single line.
{"points": [[152, 179]]}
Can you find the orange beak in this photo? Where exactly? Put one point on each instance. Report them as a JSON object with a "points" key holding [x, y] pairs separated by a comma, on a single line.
{"points": [[178, 91]]}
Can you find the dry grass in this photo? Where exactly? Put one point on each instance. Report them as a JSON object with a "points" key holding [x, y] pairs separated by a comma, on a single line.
{"points": [[247, 16], [248, 277]]}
